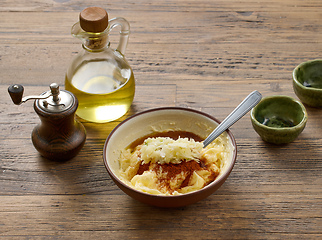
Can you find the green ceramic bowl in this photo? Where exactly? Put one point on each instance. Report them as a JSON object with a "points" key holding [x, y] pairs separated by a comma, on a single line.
{"points": [[279, 119], [307, 82]]}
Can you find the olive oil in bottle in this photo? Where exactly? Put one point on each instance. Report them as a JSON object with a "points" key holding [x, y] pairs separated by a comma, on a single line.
{"points": [[102, 97]]}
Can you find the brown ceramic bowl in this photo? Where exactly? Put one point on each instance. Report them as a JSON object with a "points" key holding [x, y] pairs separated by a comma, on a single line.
{"points": [[162, 119]]}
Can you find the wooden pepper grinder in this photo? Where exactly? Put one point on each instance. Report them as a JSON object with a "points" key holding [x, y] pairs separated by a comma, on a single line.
{"points": [[59, 136]]}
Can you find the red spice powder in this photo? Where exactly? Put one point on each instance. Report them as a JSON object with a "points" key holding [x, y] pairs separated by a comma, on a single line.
{"points": [[171, 170], [143, 167]]}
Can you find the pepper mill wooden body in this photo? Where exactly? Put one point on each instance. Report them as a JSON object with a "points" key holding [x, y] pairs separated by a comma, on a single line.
{"points": [[59, 136]]}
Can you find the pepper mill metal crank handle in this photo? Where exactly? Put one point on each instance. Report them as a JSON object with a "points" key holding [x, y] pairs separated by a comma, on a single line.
{"points": [[16, 93]]}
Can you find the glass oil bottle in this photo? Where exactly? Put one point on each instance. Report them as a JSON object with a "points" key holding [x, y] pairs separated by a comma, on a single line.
{"points": [[99, 76]]}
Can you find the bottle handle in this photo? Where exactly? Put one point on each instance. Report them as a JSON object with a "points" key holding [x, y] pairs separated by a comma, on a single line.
{"points": [[124, 33]]}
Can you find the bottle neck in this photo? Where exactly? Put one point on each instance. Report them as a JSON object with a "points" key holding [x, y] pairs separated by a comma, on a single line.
{"points": [[95, 44]]}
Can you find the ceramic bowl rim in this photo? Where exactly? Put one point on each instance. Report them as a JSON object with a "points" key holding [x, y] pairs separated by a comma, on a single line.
{"points": [[299, 125], [297, 82], [204, 189]]}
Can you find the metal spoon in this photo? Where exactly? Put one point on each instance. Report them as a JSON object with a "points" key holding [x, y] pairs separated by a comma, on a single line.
{"points": [[247, 104]]}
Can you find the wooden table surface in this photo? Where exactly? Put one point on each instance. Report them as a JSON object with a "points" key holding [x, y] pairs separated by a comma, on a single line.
{"points": [[205, 55]]}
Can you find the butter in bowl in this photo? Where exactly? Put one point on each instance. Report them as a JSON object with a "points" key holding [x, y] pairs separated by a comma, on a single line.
{"points": [[139, 153]]}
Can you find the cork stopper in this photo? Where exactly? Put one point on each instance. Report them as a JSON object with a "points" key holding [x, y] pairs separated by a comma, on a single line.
{"points": [[93, 19]]}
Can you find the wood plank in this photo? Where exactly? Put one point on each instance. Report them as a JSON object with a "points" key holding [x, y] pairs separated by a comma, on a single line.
{"points": [[104, 220]]}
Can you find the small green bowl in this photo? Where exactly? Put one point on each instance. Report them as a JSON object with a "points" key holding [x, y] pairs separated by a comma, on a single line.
{"points": [[279, 119], [307, 82]]}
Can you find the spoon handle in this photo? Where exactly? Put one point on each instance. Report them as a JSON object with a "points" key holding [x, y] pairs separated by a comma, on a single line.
{"points": [[247, 104]]}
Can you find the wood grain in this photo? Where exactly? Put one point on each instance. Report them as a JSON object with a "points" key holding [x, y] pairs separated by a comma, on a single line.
{"points": [[206, 55]]}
